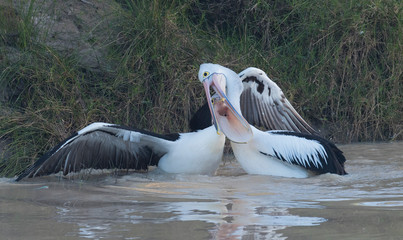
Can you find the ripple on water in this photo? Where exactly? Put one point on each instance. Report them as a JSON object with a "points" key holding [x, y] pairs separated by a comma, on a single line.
{"points": [[386, 204]]}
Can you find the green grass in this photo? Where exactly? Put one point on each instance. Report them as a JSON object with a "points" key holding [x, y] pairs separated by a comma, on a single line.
{"points": [[340, 64]]}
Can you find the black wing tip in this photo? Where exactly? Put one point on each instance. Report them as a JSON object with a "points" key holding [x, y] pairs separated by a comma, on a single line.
{"points": [[339, 160], [21, 176], [335, 160], [28, 171]]}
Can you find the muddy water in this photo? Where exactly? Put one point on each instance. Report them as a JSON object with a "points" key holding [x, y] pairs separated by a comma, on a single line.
{"points": [[366, 204]]}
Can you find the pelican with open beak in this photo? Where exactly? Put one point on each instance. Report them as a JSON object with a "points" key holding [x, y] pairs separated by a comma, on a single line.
{"points": [[278, 153], [224, 116]]}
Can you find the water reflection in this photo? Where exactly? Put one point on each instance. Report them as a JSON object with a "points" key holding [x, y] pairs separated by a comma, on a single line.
{"points": [[164, 206], [161, 203]]}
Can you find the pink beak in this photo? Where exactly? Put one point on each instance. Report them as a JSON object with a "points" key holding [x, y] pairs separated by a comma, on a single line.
{"points": [[224, 117]]}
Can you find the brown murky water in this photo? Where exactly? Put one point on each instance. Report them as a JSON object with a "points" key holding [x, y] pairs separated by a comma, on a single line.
{"points": [[366, 204]]}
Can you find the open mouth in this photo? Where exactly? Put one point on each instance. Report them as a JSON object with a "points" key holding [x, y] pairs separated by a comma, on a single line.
{"points": [[225, 118], [220, 107]]}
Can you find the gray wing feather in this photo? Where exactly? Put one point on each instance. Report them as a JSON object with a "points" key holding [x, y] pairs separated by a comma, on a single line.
{"points": [[102, 147], [263, 104]]}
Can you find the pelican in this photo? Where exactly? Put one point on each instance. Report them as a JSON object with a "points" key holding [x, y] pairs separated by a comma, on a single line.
{"points": [[262, 104], [104, 145], [278, 153]]}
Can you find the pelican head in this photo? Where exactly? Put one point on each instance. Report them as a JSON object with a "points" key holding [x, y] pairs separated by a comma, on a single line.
{"points": [[224, 115]]}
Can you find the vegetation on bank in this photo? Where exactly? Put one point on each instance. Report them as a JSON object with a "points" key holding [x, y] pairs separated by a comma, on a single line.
{"points": [[339, 62]]}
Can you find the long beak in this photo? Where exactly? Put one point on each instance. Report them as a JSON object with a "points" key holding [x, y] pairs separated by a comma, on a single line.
{"points": [[207, 83], [224, 116]]}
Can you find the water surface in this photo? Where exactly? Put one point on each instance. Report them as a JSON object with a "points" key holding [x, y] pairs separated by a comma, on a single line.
{"points": [[366, 204]]}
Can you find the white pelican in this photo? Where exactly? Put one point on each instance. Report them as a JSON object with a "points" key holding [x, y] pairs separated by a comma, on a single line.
{"points": [[278, 153], [262, 103], [105, 145]]}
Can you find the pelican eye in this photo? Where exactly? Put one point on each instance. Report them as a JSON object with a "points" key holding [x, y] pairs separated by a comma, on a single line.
{"points": [[205, 74]]}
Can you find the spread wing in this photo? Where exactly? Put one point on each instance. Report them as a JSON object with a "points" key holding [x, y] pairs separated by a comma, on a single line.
{"points": [[263, 104], [102, 146]]}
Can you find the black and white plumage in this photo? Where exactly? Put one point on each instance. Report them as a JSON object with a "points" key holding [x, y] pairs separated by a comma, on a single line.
{"points": [[278, 153], [262, 104], [288, 154], [111, 146]]}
